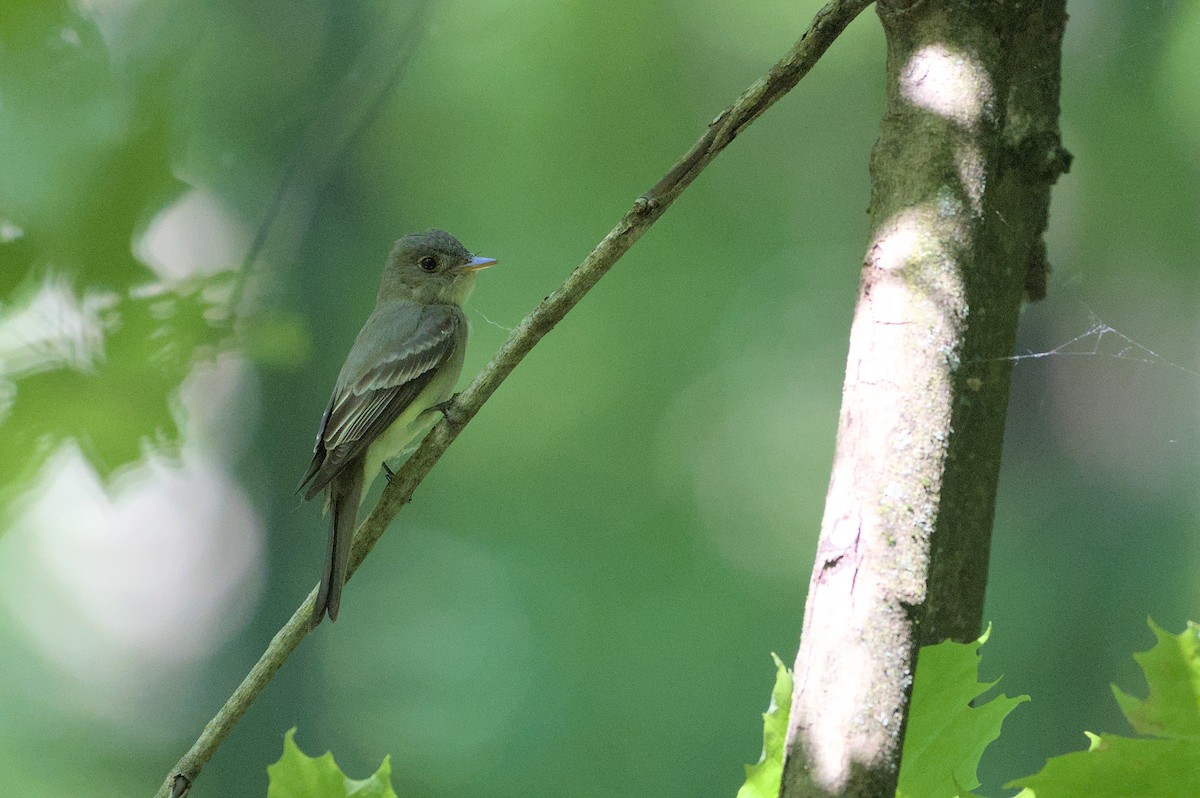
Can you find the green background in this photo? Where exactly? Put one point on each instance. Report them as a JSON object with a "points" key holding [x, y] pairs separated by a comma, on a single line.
{"points": [[583, 596]]}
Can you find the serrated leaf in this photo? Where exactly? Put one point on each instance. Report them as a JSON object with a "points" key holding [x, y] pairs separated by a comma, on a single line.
{"points": [[762, 778], [946, 735], [1166, 766], [297, 775], [1121, 766], [1172, 670]]}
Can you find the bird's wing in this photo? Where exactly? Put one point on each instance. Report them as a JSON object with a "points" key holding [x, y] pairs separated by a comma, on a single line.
{"points": [[380, 379]]}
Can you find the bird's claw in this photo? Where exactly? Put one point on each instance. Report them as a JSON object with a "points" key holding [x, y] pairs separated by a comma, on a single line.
{"points": [[444, 407]]}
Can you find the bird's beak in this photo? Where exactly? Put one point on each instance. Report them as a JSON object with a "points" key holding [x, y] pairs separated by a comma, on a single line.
{"points": [[477, 264]]}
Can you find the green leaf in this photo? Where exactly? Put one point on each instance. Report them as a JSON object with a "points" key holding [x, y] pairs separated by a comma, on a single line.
{"points": [[96, 136], [1172, 669], [946, 734], [1165, 766], [296, 775], [762, 779], [1117, 766]]}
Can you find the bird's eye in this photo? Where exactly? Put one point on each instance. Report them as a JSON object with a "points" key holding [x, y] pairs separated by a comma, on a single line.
{"points": [[428, 263]]}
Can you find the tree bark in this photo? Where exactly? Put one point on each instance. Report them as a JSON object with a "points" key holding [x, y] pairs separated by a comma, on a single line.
{"points": [[968, 149]]}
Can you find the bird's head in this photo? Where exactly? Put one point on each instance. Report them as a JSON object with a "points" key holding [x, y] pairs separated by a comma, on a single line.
{"points": [[431, 268]]}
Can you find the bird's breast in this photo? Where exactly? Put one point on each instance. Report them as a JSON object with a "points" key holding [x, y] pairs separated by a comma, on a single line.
{"points": [[412, 422]]}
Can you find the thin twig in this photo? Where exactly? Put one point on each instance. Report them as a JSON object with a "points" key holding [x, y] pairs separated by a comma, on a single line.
{"points": [[829, 22]]}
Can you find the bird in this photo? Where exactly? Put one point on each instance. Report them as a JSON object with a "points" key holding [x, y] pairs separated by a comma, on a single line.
{"points": [[400, 371]]}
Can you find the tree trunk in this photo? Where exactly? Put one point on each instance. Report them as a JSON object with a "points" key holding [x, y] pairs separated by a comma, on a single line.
{"points": [[968, 150]]}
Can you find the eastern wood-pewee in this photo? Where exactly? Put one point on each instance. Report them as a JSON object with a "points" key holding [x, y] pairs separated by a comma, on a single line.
{"points": [[405, 361]]}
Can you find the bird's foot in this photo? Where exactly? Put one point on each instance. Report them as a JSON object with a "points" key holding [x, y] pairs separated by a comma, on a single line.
{"points": [[444, 407]]}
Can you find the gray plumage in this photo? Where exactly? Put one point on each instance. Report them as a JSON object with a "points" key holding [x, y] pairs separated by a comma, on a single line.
{"points": [[406, 359]]}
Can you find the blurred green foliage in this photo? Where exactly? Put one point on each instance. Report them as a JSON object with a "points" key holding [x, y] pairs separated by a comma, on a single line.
{"points": [[582, 594], [87, 159]]}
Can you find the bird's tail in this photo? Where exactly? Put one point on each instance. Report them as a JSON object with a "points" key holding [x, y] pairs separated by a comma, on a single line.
{"points": [[345, 491]]}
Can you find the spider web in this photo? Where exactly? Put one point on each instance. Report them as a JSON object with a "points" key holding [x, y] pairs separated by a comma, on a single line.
{"points": [[1103, 340]]}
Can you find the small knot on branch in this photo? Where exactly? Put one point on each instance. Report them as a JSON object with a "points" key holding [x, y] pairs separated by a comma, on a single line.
{"points": [[644, 204], [181, 786], [1044, 155], [1058, 162]]}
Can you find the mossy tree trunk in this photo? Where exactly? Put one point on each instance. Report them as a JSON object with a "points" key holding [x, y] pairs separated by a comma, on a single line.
{"points": [[968, 149]]}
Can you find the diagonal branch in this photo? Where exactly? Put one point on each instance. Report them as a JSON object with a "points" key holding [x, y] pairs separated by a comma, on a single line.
{"points": [[828, 24]]}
